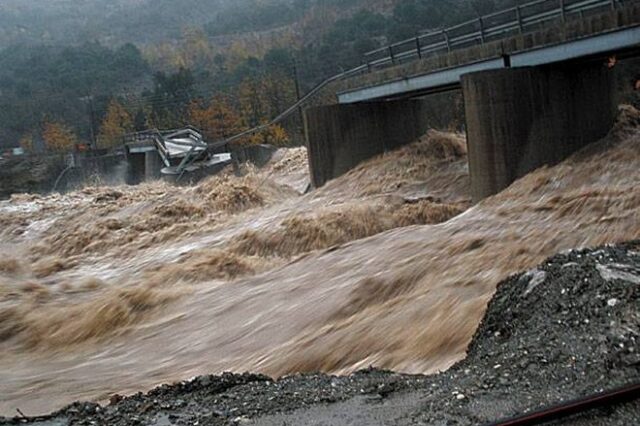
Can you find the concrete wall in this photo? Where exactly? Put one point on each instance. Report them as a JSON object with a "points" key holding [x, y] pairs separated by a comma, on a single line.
{"points": [[40, 173], [29, 174], [96, 167], [152, 166], [136, 168], [339, 137], [520, 119], [258, 155]]}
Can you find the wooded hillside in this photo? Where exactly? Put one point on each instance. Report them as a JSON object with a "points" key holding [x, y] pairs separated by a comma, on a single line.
{"points": [[98, 68]]}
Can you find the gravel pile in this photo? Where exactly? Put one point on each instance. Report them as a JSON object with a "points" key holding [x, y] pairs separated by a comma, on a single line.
{"points": [[566, 329]]}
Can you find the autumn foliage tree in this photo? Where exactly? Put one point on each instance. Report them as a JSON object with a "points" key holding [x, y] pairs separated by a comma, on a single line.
{"points": [[58, 137], [217, 120], [195, 49], [279, 92], [116, 123], [263, 98], [26, 142], [252, 101], [273, 135]]}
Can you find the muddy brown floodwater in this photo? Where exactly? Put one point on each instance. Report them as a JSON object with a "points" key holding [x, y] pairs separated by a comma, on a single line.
{"points": [[117, 290]]}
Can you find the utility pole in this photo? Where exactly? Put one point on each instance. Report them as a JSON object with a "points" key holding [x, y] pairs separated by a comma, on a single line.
{"points": [[298, 95], [89, 99], [92, 114]]}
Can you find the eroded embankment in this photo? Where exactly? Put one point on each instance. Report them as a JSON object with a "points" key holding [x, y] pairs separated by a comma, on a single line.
{"points": [[373, 292]]}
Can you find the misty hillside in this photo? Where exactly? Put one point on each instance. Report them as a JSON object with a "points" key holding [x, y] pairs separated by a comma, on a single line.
{"points": [[149, 21], [94, 69], [71, 21]]}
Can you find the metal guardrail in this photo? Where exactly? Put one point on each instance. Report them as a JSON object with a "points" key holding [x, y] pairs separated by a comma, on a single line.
{"points": [[520, 19], [515, 20]]}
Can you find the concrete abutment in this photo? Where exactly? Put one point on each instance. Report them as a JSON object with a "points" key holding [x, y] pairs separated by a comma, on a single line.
{"points": [[135, 168], [523, 118], [152, 166], [339, 137]]}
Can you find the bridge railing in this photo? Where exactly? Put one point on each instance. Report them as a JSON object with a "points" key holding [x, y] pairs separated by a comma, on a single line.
{"points": [[519, 19]]}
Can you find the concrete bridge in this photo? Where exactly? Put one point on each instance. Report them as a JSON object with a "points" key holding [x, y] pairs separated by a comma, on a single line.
{"points": [[537, 82]]}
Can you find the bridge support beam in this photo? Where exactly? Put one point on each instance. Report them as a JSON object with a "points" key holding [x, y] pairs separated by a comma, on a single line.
{"points": [[521, 119], [135, 168], [339, 137], [152, 166]]}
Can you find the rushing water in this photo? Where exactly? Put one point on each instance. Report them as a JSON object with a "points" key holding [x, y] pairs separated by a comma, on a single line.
{"points": [[109, 291]]}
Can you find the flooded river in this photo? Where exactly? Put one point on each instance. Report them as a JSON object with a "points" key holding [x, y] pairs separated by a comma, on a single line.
{"points": [[117, 290]]}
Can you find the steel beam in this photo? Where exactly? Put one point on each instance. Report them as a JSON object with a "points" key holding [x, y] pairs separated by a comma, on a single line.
{"points": [[435, 80]]}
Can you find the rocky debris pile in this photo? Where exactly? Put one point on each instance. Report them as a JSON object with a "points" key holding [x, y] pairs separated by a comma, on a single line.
{"points": [[568, 328]]}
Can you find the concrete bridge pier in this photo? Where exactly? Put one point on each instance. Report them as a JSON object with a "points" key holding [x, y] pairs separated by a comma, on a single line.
{"points": [[135, 168], [520, 119], [339, 137], [152, 166]]}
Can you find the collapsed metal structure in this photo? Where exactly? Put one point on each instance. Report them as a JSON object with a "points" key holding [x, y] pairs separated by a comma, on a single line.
{"points": [[180, 150]]}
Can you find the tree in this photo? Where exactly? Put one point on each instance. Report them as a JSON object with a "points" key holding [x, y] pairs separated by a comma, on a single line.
{"points": [[279, 59], [116, 123], [218, 120], [195, 49], [264, 97], [251, 94], [171, 97], [58, 137], [483, 7], [274, 135], [237, 54], [26, 142], [279, 92], [140, 120], [412, 16]]}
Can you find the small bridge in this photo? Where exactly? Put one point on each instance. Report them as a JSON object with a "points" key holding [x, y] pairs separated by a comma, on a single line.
{"points": [[537, 81], [511, 32]]}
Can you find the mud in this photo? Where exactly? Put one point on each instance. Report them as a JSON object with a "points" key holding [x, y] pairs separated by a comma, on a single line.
{"points": [[157, 285], [566, 329]]}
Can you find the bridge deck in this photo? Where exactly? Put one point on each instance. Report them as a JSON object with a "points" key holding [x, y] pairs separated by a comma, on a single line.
{"points": [[588, 37]]}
